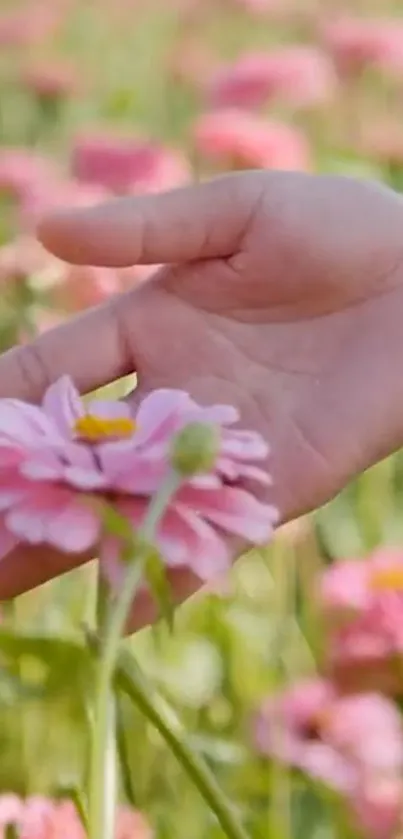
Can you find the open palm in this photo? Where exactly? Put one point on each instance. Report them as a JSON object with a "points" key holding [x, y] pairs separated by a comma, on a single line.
{"points": [[282, 294]]}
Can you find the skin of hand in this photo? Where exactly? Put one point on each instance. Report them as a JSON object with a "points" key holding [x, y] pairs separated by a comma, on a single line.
{"points": [[281, 293]]}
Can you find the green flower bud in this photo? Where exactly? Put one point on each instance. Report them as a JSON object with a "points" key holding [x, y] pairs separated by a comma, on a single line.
{"points": [[195, 449]]}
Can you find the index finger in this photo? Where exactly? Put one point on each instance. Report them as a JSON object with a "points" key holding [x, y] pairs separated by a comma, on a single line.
{"points": [[204, 221]]}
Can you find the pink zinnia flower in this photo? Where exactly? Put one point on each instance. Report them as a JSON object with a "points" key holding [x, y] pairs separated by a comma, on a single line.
{"points": [[38, 817], [352, 744], [362, 603], [125, 165], [383, 142], [357, 44], [237, 140], [296, 76], [57, 192], [50, 82], [61, 459], [23, 172], [28, 25], [264, 7], [68, 288]]}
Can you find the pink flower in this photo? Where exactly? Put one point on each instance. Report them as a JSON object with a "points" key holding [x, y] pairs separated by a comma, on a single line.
{"points": [[357, 44], [68, 288], [38, 817], [51, 81], [352, 744], [362, 603], [28, 25], [264, 7], [61, 459], [296, 76], [125, 165], [22, 172], [234, 139], [383, 142], [24, 257], [54, 193]]}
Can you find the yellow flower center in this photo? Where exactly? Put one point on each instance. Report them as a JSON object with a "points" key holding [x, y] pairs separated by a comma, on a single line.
{"points": [[93, 428], [387, 579]]}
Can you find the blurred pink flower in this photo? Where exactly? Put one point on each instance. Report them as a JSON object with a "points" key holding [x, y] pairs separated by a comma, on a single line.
{"points": [[38, 817], [23, 172], [51, 81], [362, 603], [237, 140], [190, 63], [29, 24], [22, 258], [357, 43], [263, 7], [383, 142], [80, 287], [68, 288], [54, 193], [125, 165], [296, 76], [62, 459], [352, 744]]}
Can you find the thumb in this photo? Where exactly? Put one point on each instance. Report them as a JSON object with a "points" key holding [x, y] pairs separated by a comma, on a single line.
{"points": [[196, 222]]}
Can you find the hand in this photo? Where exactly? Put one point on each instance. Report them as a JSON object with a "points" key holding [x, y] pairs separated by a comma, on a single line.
{"points": [[283, 295]]}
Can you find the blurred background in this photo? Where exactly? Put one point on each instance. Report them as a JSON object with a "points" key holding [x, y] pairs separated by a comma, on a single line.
{"points": [[115, 97]]}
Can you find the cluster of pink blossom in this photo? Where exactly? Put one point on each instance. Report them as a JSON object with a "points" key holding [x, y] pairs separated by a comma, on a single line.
{"points": [[37, 817], [258, 110], [345, 729]]}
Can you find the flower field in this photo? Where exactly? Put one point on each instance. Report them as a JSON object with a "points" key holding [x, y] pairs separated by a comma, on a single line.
{"points": [[273, 707]]}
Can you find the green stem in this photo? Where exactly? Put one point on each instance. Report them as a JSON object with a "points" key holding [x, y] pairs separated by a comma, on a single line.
{"points": [[130, 680], [100, 813], [103, 770]]}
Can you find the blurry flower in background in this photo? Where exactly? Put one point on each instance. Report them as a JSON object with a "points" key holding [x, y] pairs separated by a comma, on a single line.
{"points": [[383, 141], [80, 287], [352, 744], [50, 82], [23, 172], [23, 258], [264, 7], [37, 817], [29, 24], [362, 604], [237, 140], [296, 76], [356, 44], [191, 63], [58, 192], [125, 165]]}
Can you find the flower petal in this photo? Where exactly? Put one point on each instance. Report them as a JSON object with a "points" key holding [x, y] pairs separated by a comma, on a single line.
{"points": [[233, 509], [216, 415], [84, 479], [130, 471], [207, 552], [44, 465], [74, 529], [244, 445], [157, 416], [63, 404], [107, 409], [22, 423], [236, 470]]}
